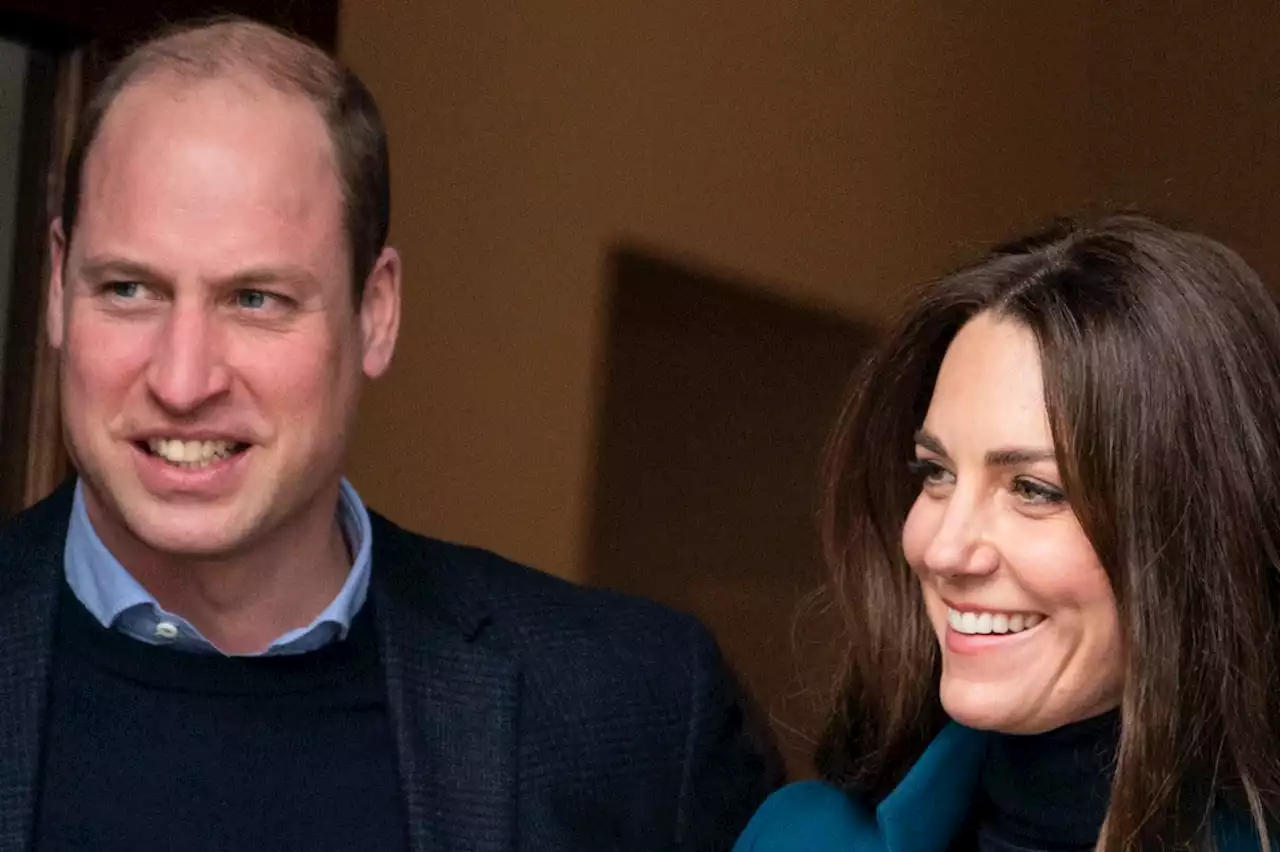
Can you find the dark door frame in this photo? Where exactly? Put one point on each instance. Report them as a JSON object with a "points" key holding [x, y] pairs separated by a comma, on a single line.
{"points": [[73, 43]]}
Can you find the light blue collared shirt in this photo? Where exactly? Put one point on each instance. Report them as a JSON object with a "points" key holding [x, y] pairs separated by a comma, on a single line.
{"points": [[119, 602]]}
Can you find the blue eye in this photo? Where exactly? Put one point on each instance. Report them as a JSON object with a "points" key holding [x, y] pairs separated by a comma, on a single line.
{"points": [[253, 299], [124, 289]]}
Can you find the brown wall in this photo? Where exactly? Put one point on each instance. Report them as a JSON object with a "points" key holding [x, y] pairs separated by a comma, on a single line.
{"points": [[824, 155], [717, 402], [1186, 119], [837, 149]]}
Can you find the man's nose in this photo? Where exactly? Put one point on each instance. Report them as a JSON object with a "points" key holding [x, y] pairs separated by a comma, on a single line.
{"points": [[187, 368], [961, 546]]}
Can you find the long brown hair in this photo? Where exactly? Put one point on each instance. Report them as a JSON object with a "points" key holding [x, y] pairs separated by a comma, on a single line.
{"points": [[1161, 363]]}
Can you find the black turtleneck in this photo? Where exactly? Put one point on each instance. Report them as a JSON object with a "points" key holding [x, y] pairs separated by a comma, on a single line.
{"points": [[1046, 792]]}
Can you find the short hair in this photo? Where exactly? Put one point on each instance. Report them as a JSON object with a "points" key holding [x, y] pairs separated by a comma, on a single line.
{"points": [[1160, 355], [230, 47]]}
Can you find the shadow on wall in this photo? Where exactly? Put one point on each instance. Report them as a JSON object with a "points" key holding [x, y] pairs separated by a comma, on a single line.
{"points": [[716, 404]]}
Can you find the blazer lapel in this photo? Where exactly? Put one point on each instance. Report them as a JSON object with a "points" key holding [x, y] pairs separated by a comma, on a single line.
{"points": [[31, 547], [453, 699]]}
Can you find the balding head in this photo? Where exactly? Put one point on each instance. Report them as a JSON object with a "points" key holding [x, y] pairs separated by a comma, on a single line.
{"points": [[256, 53]]}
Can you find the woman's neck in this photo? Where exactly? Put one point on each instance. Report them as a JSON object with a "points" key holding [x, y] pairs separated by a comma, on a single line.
{"points": [[1050, 790]]}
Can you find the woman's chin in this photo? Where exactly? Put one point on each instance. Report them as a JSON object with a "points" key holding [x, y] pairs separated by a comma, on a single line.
{"points": [[990, 707], [1008, 706]]}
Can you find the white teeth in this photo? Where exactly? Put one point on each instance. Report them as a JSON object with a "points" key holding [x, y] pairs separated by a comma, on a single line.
{"points": [[992, 622], [190, 453]]}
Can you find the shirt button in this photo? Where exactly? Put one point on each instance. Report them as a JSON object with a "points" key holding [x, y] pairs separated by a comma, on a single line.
{"points": [[166, 630]]}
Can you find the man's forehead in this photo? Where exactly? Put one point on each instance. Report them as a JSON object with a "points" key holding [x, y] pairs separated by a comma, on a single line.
{"points": [[163, 101], [186, 170], [164, 125]]}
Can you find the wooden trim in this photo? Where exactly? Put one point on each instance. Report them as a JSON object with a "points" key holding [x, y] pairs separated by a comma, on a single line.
{"points": [[46, 462], [30, 446]]}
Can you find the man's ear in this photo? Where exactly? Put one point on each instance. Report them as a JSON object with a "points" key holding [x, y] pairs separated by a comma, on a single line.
{"points": [[53, 317], [380, 314]]}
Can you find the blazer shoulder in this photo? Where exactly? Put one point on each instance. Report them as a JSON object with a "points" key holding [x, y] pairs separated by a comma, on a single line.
{"points": [[808, 816], [46, 518], [32, 541], [536, 604]]}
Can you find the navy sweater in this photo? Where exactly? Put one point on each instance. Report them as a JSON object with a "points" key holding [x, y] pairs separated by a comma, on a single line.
{"points": [[151, 748]]}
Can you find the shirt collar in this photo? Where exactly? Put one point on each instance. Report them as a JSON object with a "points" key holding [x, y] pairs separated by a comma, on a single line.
{"points": [[118, 601]]}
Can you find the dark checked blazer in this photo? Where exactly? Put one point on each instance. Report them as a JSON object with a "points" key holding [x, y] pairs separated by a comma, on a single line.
{"points": [[529, 714]]}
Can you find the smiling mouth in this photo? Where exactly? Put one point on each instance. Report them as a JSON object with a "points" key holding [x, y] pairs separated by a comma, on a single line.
{"points": [[983, 623], [191, 454]]}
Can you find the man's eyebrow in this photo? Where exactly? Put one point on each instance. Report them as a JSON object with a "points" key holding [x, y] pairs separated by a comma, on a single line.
{"points": [[259, 275], [108, 267]]}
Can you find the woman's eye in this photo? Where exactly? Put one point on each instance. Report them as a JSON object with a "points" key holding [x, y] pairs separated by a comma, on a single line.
{"points": [[1035, 491], [929, 472]]}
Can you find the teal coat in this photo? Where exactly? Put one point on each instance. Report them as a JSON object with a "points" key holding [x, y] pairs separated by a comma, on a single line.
{"points": [[922, 814]]}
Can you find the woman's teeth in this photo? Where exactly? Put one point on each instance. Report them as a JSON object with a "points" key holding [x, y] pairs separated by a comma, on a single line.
{"points": [[992, 622]]}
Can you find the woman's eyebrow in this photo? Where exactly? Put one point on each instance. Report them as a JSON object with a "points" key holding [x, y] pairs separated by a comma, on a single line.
{"points": [[1004, 457]]}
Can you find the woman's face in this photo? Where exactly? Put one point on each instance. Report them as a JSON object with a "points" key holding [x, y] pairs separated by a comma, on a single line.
{"points": [[1024, 612]]}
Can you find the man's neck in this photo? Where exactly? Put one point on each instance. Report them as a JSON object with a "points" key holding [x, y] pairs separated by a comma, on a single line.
{"points": [[243, 602]]}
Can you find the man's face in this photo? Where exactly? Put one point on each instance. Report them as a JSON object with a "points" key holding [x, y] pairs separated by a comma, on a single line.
{"points": [[212, 355]]}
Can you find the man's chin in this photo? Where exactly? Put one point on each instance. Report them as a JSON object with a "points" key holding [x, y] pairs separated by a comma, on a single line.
{"points": [[201, 544], [193, 531]]}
